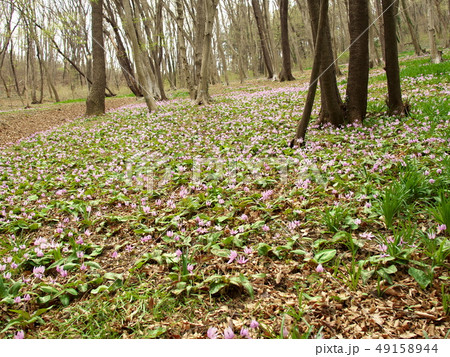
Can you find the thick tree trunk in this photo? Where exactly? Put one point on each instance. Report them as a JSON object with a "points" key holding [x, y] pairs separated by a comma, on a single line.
{"points": [[286, 72], [95, 103], [202, 92], [332, 106], [315, 73], [263, 37], [395, 102], [358, 68]]}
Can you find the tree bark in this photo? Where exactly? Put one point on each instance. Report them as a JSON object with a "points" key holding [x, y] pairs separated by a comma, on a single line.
{"points": [[203, 92], [332, 106], [95, 103], [395, 103], [307, 110], [435, 55], [412, 29], [286, 72], [182, 48], [262, 37], [358, 68], [121, 54]]}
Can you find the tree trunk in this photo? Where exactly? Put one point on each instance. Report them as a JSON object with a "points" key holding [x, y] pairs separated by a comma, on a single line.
{"points": [[436, 57], [144, 81], [202, 92], [332, 106], [95, 103], [315, 73], [262, 37], [381, 28], [121, 55], [286, 72], [395, 102], [182, 48], [412, 30], [358, 68]]}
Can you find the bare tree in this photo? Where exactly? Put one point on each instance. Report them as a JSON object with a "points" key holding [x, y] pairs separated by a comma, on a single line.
{"points": [[358, 69], [263, 37], [210, 7], [395, 102], [286, 72], [95, 103]]}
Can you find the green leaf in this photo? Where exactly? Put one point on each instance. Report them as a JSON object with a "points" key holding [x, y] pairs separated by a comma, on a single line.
{"points": [[156, 332], [65, 299], [325, 256], [72, 291], [93, 265], [247, 285], [49, 289], [216, 287], [299, 252], [23, 314], [420, 276], [224, 253], [113, 276], [44, 299], [14, 289], [100, 289], [3, 291], [263, 248]]}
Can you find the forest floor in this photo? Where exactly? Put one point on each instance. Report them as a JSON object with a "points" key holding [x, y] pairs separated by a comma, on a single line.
{"points": [[201, 221], [21, 123]]}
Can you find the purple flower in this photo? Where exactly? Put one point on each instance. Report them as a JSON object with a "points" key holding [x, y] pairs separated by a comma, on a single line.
{"points": [[244, 333], [441, 228], [254, 324], [248, 251], [212, 333], [320, 268], [265, 228], [242, 260], [228, 333], [80, 255], [114, 254], [431, 235], [39, 271], [179, 253], [17, 299], [232, 256], [19, 335], [27, 297], [83, 267], [190, 268]]}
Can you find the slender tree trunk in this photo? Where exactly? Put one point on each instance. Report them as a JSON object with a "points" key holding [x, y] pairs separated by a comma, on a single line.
{"points": [[332, 106], [358, 69], [182, 48], [395, 103], [381, 28], [286, 72], [221, 51], [202, 92], [121, 55], [262, 37], [95, 103], [436, 57], [412, 30], [315, 73], [138, 56]]}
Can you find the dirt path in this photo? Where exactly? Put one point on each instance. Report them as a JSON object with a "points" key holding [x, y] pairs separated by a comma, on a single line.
{"points": [[19, 124]]}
